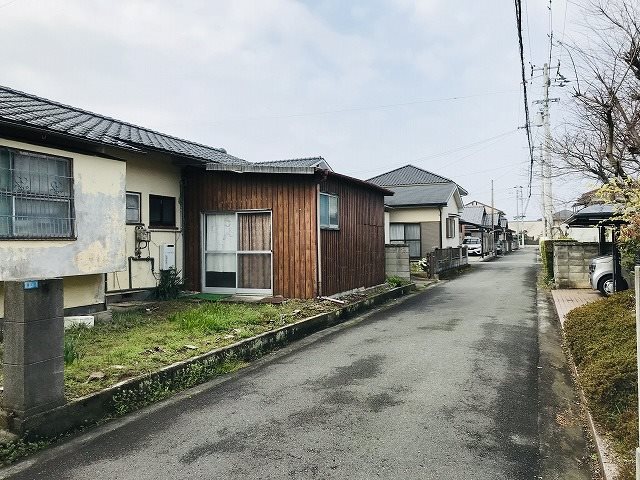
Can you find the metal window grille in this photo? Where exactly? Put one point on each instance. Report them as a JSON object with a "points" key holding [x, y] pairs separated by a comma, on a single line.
{"points": [[36, 195]]}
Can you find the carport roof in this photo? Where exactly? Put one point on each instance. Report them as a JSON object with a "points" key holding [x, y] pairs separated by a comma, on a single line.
{"points": [[594, 215]]}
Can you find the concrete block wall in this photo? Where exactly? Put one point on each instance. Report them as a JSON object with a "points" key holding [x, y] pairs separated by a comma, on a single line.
{"points": [[571, 263], [396, 261]]}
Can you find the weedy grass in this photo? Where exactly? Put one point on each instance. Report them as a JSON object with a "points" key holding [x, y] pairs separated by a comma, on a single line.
{"points": [[602, 338], [143, 341]]}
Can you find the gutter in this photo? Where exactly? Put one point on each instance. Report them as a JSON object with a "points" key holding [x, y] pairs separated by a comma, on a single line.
{"points": [[218, 167]]}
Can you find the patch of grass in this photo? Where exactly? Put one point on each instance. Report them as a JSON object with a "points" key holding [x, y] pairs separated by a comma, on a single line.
{"points": [[219, 317], [70, 351], [143, 341], [602, 338], [396, 281]]}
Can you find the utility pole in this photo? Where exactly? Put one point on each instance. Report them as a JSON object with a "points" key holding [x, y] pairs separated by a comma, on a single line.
{"points": [[519, 213], [493, 235], [547, 197]]}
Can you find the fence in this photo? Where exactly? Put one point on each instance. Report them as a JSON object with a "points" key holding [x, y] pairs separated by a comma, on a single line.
{"points": [[443, 259]]}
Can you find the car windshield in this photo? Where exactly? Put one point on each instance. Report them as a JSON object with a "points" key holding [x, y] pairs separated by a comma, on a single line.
{"points": [[468, 241]]}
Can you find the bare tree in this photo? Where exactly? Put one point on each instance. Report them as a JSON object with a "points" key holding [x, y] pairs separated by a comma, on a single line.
{"points": [[602, 138]]}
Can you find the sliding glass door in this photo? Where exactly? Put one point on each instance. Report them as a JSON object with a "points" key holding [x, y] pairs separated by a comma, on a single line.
{"points": [[237, 251]]}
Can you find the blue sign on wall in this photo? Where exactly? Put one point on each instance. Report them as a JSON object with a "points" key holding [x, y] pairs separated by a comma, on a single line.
{"points": [[30, 284]]}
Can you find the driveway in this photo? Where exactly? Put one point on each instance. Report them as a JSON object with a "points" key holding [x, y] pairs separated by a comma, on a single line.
{"points": [[443, 385]]}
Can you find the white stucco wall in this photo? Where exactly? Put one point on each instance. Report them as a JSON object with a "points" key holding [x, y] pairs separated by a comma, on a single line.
{"points": [[149, 175], [452, 209], [414, 215], [99, 203]]}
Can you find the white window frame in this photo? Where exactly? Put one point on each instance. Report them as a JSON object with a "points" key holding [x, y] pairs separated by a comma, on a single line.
{"points": [[328, 225]]}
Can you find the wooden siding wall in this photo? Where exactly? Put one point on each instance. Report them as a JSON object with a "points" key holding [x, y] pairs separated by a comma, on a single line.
{"points": [[292, 200], [353, 256]]}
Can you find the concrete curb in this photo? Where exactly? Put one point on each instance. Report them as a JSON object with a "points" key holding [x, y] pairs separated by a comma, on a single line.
{"points": [[608, 468], [92, 408]]}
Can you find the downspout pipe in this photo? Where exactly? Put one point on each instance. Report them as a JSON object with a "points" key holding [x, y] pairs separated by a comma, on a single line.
{"points": [[319, 250], [440, 227]]}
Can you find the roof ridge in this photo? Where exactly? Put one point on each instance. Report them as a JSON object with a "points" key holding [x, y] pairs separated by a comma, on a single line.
{"points": [[105, 117], [319, 157]]}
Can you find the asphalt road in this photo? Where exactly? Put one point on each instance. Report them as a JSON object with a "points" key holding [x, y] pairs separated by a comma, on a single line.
{"points": [[443, 385]]}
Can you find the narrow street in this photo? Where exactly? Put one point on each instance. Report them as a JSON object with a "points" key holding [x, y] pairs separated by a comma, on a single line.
{"points": [[443, 385]]}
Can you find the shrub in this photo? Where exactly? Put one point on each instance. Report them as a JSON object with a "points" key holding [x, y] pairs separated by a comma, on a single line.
{"points": [[169, 284], [602, 338]]}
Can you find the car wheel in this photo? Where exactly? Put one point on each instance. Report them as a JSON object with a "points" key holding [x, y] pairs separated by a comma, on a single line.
{"points": [[605, 285]]}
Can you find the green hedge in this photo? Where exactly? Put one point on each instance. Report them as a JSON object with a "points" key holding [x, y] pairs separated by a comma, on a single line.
{"points": [[602, 338]]}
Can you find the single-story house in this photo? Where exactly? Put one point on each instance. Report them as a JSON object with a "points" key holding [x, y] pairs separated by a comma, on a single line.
{"points": [[424, 210], [102, 203], [296, 231]]}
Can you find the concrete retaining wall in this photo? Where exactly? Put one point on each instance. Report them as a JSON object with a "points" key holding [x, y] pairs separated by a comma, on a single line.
{"points": [[396, 261], [571, 263]]}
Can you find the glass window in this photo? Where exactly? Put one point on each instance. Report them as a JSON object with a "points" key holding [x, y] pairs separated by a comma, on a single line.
{"points": [[329, 211], [408, 233], [36, 195], [162, 211], [133, 207]]}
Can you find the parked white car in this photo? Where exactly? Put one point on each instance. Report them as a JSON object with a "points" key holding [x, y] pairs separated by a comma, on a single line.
{"points": [[474, 245], [601, 275]]}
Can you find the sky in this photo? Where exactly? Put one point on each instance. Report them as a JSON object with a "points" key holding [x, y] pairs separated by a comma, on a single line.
{"points": [[370, 85]]}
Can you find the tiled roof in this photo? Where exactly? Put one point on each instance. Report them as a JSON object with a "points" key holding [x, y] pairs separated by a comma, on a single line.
{"points": [[295, 162], [428, 195], [410, 175], [562, 215], [473, 214], [20, 108]]}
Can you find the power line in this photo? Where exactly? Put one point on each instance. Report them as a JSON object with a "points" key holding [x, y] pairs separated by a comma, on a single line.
{"points": [[527, 125], [446, 152], [364, 108]]}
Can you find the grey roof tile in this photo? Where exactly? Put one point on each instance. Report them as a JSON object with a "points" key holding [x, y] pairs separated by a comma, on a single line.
{"points": [[296, 162], [411, 175], [473, 214], [29, 110], [428, 195]]}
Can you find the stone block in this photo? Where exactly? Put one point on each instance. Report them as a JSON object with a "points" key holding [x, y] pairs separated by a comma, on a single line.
{"points": [[34, 387], [33, 342], [34, 304]]}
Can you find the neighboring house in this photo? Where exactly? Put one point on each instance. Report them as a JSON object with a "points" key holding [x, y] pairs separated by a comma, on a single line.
{"points": [[424, 210], [296, 231], [475, 222], [100, 203]]}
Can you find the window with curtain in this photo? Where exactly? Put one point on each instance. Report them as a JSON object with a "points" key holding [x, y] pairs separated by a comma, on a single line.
{"points": [[408, 233], [36, 195], [329, 205], [451, 227]]}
